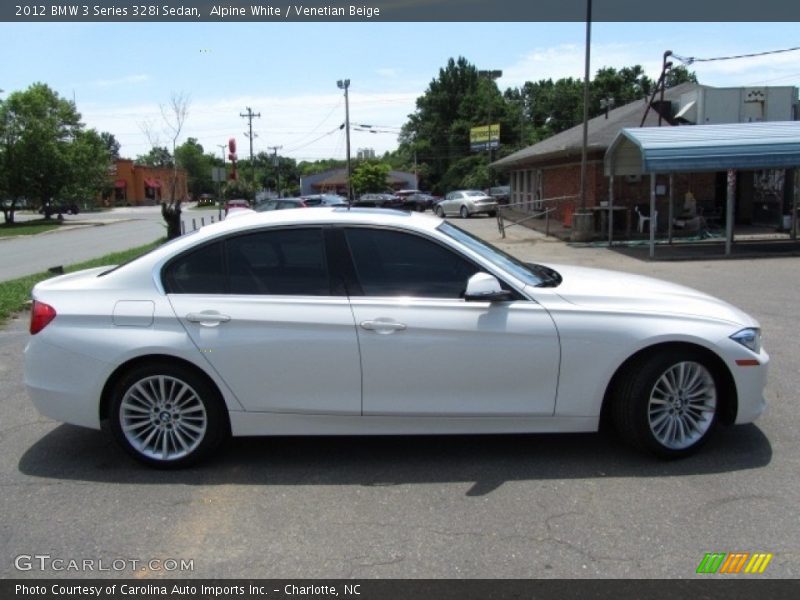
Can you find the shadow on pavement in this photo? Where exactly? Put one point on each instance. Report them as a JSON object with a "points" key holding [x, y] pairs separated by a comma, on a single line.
{"points": [[75, 454]]}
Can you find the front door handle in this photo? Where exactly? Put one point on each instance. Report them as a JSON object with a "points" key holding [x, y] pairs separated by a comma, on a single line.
{"points": [[208, 319], [382, 326]]}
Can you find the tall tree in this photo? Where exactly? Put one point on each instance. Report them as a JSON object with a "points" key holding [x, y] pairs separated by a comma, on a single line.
{"points": [[190, 157], [370, 176], [44, 149]]}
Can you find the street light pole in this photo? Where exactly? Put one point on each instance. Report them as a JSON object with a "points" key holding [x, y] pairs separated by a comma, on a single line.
{"points": [[344, 84]]}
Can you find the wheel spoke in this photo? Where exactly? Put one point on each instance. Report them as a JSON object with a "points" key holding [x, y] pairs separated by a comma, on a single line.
{"points": [[163, 418], [682, 404]]}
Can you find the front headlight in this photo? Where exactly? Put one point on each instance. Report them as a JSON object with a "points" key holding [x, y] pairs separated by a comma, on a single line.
{"points": [[750, 338]]}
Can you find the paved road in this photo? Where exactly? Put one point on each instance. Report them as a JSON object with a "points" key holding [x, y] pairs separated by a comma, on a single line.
{"points": [[86, 236], [514, 506]]}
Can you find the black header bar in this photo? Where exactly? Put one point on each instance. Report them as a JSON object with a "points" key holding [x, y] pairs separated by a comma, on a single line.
{"points": [[276, 11]]}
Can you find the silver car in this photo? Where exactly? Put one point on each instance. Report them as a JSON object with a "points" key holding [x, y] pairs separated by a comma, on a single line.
{"points": [[466, 203]]}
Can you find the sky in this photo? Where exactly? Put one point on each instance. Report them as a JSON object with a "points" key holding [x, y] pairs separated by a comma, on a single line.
{"points": [[121, 74]]}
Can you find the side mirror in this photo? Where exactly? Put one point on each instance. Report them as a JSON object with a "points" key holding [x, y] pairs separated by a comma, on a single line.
{"points": [[483, 287]]}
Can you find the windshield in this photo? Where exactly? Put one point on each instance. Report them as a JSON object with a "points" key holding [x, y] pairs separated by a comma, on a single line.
{"points": [[530, 274], [474, 193]]}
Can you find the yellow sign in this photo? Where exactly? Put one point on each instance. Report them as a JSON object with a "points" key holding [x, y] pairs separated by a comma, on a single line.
{"points": [[484, 137]]}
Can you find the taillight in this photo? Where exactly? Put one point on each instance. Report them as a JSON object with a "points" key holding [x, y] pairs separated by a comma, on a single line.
{"points": [[41, 315]]}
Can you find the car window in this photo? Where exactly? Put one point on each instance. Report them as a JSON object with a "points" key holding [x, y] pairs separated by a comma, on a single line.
{"points": [[200, 271], [393, 263], [280, 262]]}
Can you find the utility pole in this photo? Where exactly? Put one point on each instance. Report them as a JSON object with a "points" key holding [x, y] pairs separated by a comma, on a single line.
{"points": [[583, 219], [249, 115], [344, 84], [222, 148], [277, 170]]}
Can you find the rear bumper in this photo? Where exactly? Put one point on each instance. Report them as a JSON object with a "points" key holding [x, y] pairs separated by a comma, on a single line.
{"points": [[63, 385]]}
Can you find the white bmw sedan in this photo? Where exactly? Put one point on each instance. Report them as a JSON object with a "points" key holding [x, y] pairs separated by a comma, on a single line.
{"points": [[333, 321]]}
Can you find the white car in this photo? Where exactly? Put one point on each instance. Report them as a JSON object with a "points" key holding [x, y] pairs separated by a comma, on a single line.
{"points": [[465, 203], [331, 321]]}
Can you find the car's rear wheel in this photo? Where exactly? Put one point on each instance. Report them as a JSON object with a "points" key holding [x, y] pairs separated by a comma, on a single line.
{"points": [[464, 212], [668, 404], [439, 212], [493, 214], [167, 416]]}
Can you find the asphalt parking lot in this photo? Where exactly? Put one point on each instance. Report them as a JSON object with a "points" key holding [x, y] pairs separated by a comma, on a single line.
{"points": [[528, 506]]}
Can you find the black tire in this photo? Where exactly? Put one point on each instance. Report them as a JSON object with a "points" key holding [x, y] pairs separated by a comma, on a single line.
{"points": [[420, 208], [493, 214], [439, 212], [464, 212], [198, 406], [647, 414]]}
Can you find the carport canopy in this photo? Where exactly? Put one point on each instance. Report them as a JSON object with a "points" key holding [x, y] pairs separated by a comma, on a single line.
{"points": [[696, 148], [703, 148]]}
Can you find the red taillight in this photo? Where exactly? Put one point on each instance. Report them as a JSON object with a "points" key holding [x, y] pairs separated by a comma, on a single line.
{"points": [[41, 315]]}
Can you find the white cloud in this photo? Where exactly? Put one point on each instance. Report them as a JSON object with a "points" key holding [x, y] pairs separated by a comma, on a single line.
{"points": [[127, 80], [567, 60], [298, 123]]}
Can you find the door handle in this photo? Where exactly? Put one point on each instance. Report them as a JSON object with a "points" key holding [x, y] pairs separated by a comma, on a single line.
{"points": [[382, 327], [209, 319]]}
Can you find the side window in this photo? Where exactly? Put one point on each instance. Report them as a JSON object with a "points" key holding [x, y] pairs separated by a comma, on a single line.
{"points": [[281, 262], [198, 272], [393, 263]]}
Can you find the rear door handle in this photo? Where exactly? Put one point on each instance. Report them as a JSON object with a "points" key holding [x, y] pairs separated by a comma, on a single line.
{"points": [[208, 319], [382, 327]]}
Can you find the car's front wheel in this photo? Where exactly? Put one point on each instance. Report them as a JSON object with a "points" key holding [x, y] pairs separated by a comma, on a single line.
{"points": [[668, 404], [167, 416], [439, 212], [464, 212]]}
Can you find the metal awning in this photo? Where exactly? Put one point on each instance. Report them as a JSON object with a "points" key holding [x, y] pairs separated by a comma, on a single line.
{"points": [[696, 148], [702, 148]]}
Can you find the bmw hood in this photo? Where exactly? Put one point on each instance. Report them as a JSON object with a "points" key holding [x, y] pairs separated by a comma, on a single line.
{"points": [[613, 290]]}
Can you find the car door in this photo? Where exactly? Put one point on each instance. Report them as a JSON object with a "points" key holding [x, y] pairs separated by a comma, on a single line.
{"points": [[261, 310], [427, 351]]}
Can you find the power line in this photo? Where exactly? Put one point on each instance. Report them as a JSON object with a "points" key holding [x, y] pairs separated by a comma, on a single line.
{"points": [[688, 60]]}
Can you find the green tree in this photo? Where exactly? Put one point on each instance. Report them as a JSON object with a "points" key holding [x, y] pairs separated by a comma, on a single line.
{"points": [[238, 188], [90, 165], [678, 75], [158, 156], [370, 176], [438, 131], [198, 165], [44, 149], [111, 144]]}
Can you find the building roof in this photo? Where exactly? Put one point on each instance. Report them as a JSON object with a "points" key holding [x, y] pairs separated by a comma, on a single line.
{"points": [[602, 132], [695, 148]]}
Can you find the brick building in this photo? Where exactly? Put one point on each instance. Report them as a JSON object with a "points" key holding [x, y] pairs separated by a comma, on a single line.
{"points": [[547, 174], [138, 185]]}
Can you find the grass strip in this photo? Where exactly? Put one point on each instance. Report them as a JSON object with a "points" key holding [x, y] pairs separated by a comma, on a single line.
{"points": [[15, 293], [28, 227]]}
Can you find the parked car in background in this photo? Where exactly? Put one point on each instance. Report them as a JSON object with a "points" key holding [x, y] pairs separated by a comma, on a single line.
{"points": [[501, 193], [236, 204], [415, 200], [465, 203], [281, 204], [325, 200], [59, 208], [412, 325], [379, 200]]}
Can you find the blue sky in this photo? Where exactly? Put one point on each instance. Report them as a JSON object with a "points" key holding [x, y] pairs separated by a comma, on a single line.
{"points": [[119, 73]]}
